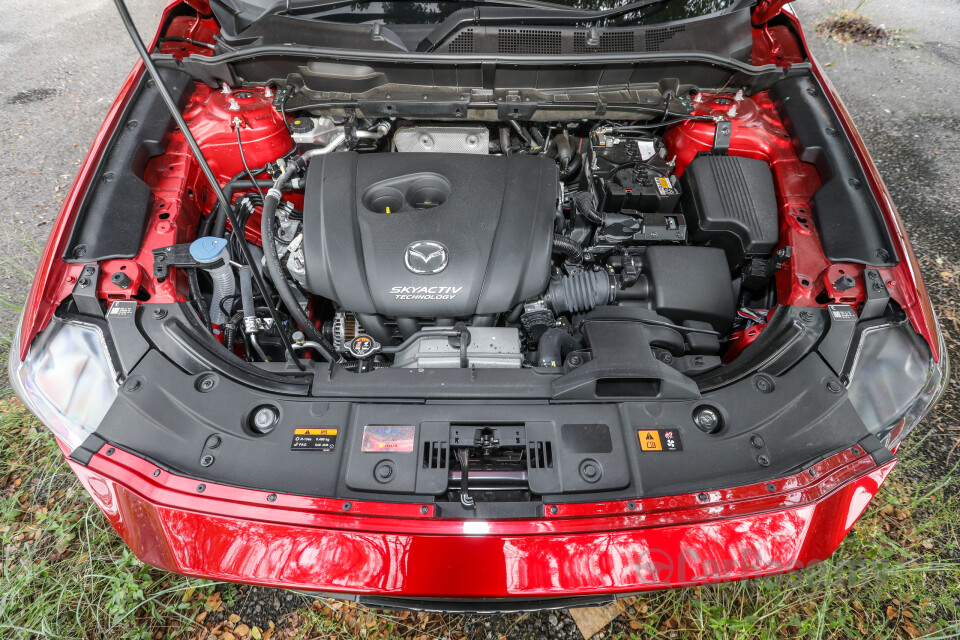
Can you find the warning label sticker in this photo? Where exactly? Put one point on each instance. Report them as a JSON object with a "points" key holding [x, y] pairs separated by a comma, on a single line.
{"points": [[659, 440], [664, 186], [314, 439]]}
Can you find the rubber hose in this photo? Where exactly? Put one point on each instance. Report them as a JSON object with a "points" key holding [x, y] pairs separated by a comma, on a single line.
{"points": [[581, 291], [230, 331], [270, 203], [564, 152], [246, 292], [569, 248], [585, 205], [554, 345], [505, 139], [197, 297]]}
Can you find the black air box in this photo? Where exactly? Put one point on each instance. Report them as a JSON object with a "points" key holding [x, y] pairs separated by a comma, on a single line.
{"points": [[690, 283], [729, 202]]}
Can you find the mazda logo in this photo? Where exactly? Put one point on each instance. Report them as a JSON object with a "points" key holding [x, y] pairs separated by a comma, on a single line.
{"points": [[424, 257]]}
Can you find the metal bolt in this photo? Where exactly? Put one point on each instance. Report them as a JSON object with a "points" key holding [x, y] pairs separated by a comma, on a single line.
{"points": [[554, 510], [201, 487], [702, 497], [813, 473], [156, 472], [834, 387], [707, 419], [131, 385], [264, 419], [206, 383], [575, 360], [206, 460], [83, 282], [763, 461], [424, 510], [666, 357], [346, 506], [763, 384], [272, 497], [631, 505], [159, 314]]}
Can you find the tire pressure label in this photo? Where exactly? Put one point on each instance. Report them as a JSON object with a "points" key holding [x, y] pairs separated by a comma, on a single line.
{"points": [[314, 439], [659, 440]]}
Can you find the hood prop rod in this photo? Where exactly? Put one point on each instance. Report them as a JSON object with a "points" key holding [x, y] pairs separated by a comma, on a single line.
{"points": [[207, 172]]}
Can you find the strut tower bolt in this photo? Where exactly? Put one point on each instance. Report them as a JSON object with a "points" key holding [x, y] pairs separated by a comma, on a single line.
{"points": [[159, 314], [707, 419]]}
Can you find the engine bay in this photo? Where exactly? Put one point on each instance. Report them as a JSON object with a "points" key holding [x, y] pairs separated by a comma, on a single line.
{"points": [[620, 248], [423, 245]]}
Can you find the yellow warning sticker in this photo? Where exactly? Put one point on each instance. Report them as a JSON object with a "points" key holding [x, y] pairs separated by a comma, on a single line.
{"points": [[650, 440], [315, 432]]}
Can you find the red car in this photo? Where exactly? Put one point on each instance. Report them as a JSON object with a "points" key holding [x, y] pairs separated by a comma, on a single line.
{"points": [[492, 304]]}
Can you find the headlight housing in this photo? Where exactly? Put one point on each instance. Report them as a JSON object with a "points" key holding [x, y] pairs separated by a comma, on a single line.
{"points": [[67, 379], [894, 380]]}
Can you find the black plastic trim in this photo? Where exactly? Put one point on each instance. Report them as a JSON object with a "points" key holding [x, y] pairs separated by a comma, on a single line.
{"points": [[115, 210], [846, 213]]}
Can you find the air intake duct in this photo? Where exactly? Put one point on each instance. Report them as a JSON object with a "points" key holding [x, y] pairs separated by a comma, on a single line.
{"points": [[581, 291]]}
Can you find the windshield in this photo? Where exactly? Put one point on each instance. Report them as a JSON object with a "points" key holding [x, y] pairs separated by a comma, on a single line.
{"points": [[410, 12]]}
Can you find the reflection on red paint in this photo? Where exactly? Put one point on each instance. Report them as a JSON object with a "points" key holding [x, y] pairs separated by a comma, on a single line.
{"points": [[392, 549]]}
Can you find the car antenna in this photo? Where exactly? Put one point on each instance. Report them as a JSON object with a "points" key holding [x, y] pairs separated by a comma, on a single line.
{"points": [[205, 167]]}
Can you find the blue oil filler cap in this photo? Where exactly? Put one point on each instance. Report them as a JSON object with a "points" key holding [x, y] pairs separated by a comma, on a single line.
{"points": [[207, 249]]}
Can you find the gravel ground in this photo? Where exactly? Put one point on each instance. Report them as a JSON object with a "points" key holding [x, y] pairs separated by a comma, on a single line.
{"points": [[65, 63]]}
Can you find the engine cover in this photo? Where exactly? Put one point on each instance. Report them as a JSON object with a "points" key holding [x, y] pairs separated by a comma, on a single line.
{"points": [[428, 235]]}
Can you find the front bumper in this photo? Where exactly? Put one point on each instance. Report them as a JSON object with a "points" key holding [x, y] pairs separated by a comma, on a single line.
{"points": [[404, 551]]}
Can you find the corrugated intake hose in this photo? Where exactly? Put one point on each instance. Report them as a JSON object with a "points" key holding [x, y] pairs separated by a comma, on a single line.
{"points": [[581, 291]]}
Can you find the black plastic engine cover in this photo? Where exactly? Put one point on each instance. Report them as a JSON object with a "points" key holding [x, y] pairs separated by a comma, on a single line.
{"points": [[485, 224]]}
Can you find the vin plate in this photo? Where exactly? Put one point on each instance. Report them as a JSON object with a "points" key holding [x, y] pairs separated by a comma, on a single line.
{"points": [[381, 438], [314, 439]]}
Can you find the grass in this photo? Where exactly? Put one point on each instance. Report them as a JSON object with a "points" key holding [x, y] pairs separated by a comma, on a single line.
{"points": [[66, 574]]}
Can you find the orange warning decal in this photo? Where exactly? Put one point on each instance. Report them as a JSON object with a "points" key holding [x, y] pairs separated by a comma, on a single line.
{"points": [[650, 441], [315, 432]]}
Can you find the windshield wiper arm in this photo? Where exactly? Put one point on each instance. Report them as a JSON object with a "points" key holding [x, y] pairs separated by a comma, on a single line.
{"points": [[484, 15]]}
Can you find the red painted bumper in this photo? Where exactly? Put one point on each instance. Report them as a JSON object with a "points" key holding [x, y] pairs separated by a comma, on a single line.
{"points": [[387, 549]]}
